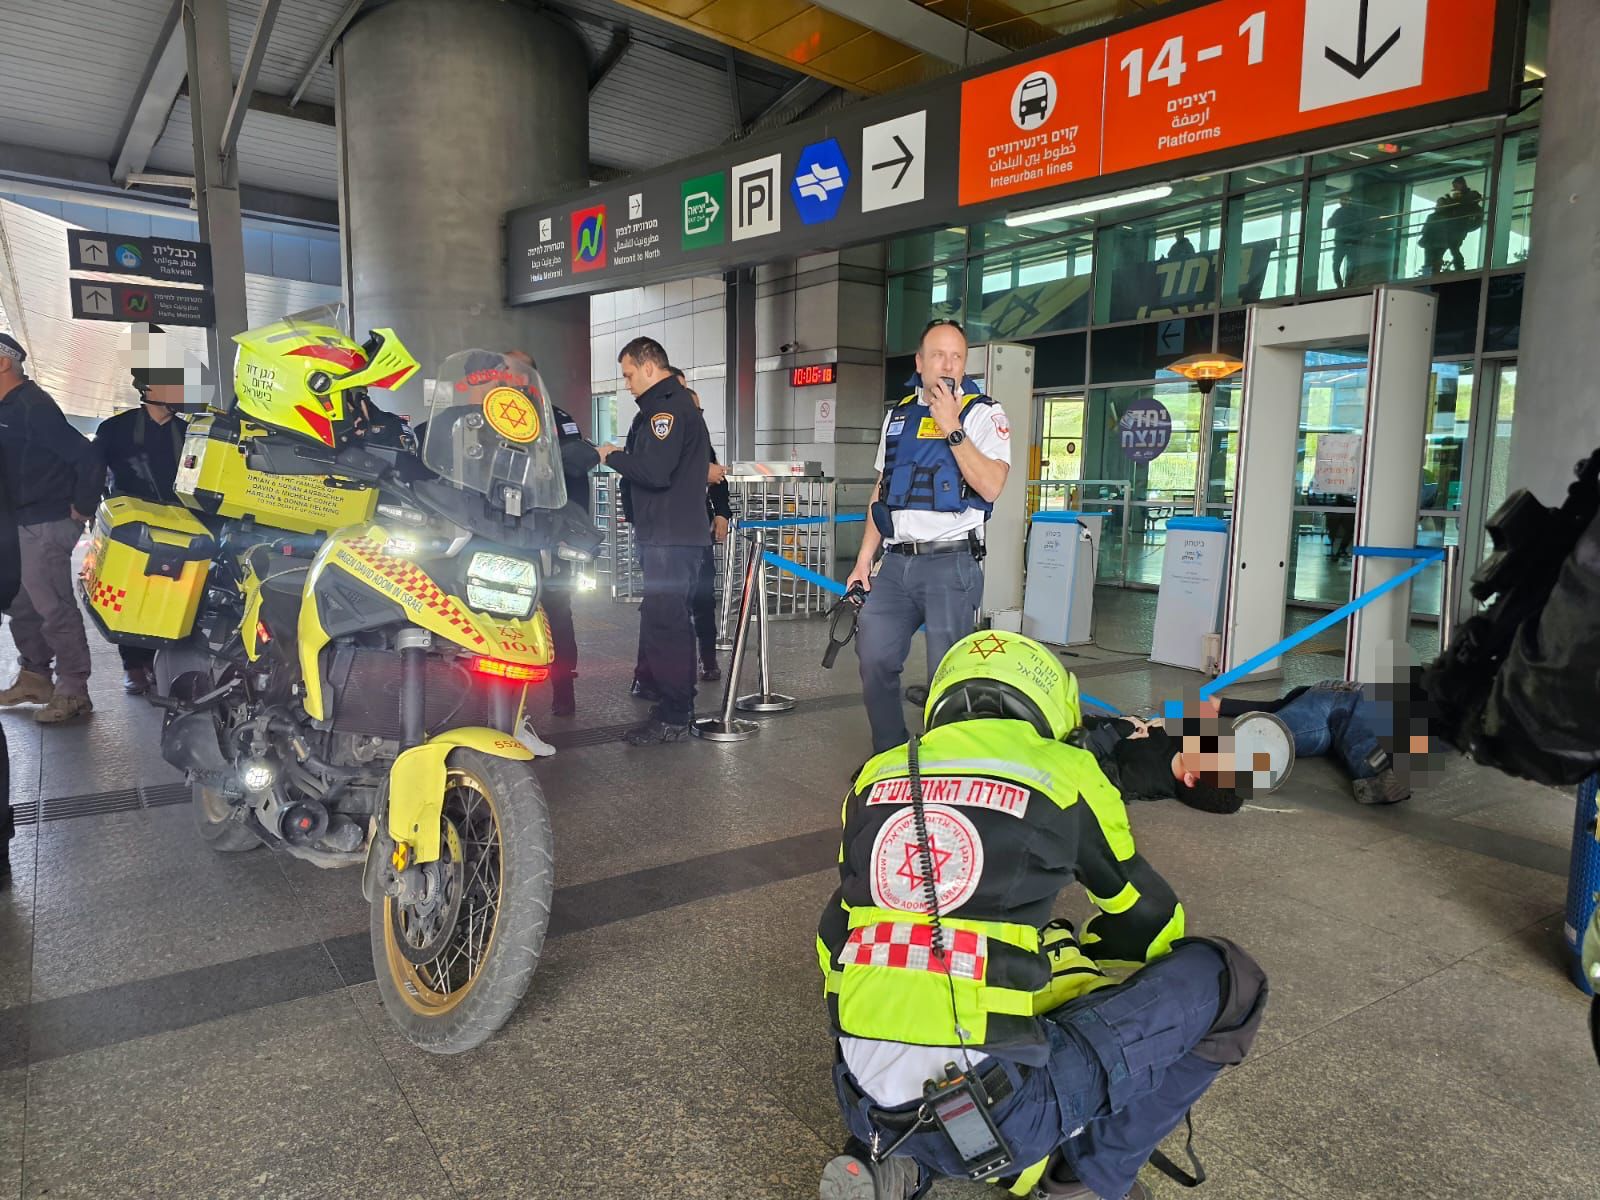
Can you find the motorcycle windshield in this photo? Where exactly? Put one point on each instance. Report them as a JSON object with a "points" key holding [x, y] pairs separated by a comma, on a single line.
{"points": [[491, 430]]}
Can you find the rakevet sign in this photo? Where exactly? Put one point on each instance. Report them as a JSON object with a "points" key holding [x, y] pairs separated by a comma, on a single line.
{"points": [[1213, 85]]}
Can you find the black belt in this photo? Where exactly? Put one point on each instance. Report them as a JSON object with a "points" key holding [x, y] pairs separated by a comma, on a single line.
{"points": [[928, 547], [996, 1083]]}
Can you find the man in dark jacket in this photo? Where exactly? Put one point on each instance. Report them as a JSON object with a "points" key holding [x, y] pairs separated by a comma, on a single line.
{"points": [[719, 516], [664, 466], [55, 479], [139, 450]]}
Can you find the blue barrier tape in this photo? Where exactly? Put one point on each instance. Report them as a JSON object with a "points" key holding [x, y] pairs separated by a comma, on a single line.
{"points": [[792, 522], [1419, 552], [1311, 630], [805, 573]]}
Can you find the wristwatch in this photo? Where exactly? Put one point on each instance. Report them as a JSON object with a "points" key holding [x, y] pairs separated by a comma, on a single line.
{"points": [[956, 438]]}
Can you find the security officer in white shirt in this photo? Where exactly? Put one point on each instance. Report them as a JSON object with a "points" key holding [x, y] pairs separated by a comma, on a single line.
{"points": [[943, 459]]}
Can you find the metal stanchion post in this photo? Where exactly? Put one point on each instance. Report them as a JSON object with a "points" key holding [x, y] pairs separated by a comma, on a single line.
{"points": [[766, 700], [725, 632], [1448, 588], [728, 728]]}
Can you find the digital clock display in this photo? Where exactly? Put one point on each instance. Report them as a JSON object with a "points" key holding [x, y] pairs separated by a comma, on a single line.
{"points": [[815, 375]]}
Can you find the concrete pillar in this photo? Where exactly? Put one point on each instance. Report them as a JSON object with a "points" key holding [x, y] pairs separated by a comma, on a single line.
{"points": [[1558, 388], [450, 115], [216, 178]]}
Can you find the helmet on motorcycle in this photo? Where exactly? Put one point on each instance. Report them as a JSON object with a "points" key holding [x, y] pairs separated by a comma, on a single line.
{"points": [[1004, 675], [304, 375]]}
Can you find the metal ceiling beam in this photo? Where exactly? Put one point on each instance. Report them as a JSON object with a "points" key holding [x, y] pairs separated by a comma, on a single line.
{"points": [[621, 40], [247, 77], [735, 102], [908, 23], [789, 106], [153, 101], [87, 180], [340, 23], [279, 106]]}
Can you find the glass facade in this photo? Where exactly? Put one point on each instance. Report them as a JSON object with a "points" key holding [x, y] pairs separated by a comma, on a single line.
{"points": [[1110, 301]]}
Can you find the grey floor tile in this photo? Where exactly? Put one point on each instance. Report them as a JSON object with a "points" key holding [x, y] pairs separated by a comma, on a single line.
{"points": [[1356, 1112], [1541, 813], [13, 1122], [1535, 954], [16, 925], [1434, 899], [144, 918], [1321, 967], [293, 1100]]}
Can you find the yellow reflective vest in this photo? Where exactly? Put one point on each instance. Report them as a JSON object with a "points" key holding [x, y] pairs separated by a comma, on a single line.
{"points": [[1010, 818]]}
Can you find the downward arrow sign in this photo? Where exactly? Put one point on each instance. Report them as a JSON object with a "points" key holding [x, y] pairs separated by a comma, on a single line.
{"points": [[1363, 62]]}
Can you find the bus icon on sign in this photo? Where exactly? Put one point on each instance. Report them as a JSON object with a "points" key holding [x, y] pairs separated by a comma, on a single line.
{"points": [[1034, 100]]}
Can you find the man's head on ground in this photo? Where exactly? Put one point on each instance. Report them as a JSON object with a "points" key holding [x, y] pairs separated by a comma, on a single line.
{"points": [[644, 364], [1005, 676], [1205, 769], [942, 354], [12, 356]]}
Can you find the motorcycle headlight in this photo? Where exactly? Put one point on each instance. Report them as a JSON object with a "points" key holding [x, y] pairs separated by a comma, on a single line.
{"points": [[500, 584]]}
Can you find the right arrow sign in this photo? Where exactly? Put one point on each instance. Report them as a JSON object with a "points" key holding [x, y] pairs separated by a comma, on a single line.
{"points": [[1355, 50], [893, 153]]}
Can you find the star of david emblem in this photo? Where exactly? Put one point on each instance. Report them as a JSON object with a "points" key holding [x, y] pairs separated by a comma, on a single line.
{"points": [[910, 870], [514, 414], [986, 647]]}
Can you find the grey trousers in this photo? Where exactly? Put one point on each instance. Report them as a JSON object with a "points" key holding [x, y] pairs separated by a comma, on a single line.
{"points": [[46, 622], [941, 591]]}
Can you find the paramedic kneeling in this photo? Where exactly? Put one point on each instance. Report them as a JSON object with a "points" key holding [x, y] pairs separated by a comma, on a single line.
{"points": [[942, 463], [977, 1038]]}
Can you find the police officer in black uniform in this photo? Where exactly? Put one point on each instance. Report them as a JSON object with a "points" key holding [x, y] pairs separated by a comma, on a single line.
{"points": [[664, 468], [719, 516], [578, 458], [140, 450]]}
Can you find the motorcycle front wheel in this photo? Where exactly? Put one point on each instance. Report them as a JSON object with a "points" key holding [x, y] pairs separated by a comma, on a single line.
{"points": [[453, 962]]}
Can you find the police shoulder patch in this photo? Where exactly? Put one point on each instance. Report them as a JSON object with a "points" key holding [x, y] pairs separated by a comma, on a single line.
{"points": [[661, 425]]}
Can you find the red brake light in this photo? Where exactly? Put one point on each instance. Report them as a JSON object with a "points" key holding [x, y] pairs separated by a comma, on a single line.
{"points": [[516, 672]]}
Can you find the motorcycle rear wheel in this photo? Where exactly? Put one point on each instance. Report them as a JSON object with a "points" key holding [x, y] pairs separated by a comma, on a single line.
{"points": [[220, 830], [452, 973]]}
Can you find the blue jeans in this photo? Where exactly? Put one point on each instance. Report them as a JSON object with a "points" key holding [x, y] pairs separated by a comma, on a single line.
{"points": [[1333, 720], [941, 591], [1119, 1076]]}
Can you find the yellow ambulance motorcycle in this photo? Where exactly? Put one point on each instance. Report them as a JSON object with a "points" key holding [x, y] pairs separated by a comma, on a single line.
{"points": [[345, 636]]}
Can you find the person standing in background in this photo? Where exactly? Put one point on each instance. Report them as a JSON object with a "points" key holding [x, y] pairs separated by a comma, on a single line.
{"points": [[56, 478], [665, 468], [139, 450]]}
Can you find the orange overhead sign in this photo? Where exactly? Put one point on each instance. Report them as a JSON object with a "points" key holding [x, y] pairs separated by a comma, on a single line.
{"points": [[1032, 126], [1219, 76]]}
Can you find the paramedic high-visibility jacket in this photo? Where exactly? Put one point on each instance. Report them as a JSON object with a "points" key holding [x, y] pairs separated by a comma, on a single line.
{"points": [[1011, 818]]}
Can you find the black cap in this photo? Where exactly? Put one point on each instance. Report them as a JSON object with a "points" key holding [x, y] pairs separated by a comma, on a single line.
{"points": [[13, 348]]}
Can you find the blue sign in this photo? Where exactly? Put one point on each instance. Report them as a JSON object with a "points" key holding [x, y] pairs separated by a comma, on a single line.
{"points": [[1145, 430], [820, 177]]}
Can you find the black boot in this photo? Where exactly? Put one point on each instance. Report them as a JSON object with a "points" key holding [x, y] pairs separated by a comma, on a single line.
{"points": [[856, 1177], [562, 701], [710, 672]]}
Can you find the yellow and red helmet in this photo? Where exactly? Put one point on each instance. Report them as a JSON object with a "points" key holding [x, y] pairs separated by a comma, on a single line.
{"points": [[305, 375]]}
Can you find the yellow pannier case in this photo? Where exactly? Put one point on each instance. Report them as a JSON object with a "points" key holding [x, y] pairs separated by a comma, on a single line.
{"points": [[145, 571], [215, 477]]}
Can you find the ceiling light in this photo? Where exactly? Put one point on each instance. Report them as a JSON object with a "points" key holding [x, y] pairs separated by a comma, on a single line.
{"points": [[1099, 204]]}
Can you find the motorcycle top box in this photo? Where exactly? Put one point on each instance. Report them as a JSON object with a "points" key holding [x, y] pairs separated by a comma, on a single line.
{"points": [[145, 571], [235, 469]]}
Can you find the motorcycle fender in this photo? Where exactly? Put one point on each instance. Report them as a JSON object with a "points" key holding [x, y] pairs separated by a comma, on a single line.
{"points": [[416, 784]]}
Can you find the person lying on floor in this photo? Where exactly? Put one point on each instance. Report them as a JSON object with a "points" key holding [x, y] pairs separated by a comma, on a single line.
{"points": [[1329, 719]]}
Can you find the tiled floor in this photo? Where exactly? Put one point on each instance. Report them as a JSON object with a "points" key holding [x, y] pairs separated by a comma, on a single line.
{"points": [[177, 1023]]}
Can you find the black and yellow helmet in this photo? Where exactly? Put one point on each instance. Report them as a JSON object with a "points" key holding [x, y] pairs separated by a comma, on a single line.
{"points": [[1004, 675]]}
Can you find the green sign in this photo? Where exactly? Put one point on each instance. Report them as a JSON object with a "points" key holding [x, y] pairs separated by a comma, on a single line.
{"points": [[703, 203]]}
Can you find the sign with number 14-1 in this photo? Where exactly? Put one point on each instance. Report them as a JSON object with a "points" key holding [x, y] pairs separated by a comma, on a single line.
{"points": [[1243, 71]]}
